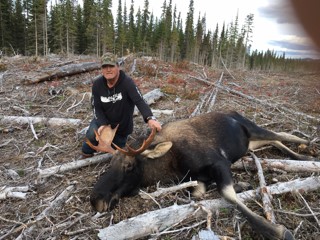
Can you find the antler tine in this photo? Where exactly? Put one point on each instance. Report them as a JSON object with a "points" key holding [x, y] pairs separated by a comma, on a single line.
{"points": [[107, 149], [146, 143], [121, 150], [90, 144], [104, 139]]}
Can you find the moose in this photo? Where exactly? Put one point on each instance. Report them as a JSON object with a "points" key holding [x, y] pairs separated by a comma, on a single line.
{"points": [[200, 148]]}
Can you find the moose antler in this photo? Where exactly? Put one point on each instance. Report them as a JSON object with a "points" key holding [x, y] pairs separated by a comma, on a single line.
{"points": [[105, 139], [145, 145]]}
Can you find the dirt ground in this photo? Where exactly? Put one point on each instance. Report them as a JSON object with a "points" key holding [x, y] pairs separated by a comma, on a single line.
{"points": [[287, 102]]}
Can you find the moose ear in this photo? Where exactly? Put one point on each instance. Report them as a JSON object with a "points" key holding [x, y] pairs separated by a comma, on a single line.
{"points": [[159, 150]]}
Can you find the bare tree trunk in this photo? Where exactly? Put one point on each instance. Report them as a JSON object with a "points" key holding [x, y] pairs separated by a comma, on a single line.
{"points": [[36, 33]]}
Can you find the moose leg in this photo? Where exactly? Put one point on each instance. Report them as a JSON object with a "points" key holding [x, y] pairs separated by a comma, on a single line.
{"points": [[222, 174], [257, 144], [258, 223], [283, 136]]}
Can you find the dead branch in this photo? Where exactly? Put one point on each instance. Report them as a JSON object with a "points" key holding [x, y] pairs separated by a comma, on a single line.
{"points": [[266, 197], [12, 174], [309, 208], [13, 192], [208, 100], [73, 165], [6, 143], [32, 129], [162, 191], [256, 100], [60, 72], [76, 104], [198, 108], [178, 230], [285, 165], [213, 97], [53, 122], [56, 203], [158, 220]]}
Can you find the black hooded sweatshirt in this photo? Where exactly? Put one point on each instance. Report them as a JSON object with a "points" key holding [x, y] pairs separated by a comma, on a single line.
{"points": [[116, 105]]}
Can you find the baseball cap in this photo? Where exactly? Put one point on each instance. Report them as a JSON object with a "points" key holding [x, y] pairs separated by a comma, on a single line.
{"points": [[109, 59]]}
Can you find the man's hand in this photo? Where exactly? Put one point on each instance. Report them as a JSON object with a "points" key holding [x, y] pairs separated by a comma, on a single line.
{"points": [[154, 124]]}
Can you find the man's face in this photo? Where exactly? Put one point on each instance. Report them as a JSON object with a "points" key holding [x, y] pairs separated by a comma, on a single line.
{"points": [[110, 72]]}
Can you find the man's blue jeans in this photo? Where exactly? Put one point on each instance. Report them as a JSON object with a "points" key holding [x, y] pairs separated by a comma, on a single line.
{"points": [[86, 149]]}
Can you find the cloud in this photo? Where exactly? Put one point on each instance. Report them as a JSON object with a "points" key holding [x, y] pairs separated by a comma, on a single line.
{"points": [[291, 45], [290, 37], [293, 42], [296, 47], [280, 11]]}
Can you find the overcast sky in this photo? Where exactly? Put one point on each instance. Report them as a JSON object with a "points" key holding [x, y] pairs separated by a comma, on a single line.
{"points": [[275, 27]]}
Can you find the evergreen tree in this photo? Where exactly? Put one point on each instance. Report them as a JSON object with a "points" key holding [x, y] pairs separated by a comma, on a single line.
{"points": [[108, 32], [144, 27], [138, 32], [222, 45], [174, 40], [56, 34], [181, 37], [88, 14], [160, 34], [247, 36], [168, 29], [119, 36], [70, 26], [131, 29], [125, 29], [37, 25], [80, 32], [187, 51], [215, 49], [6, 35], [198, 40], [232, 39], [19, 26]]}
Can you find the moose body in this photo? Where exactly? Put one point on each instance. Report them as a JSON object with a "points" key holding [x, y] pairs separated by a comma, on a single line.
{"points": [[200, 148]]}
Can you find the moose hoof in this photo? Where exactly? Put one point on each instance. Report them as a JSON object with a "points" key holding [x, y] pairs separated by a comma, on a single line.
{"points": [[287, 235]]}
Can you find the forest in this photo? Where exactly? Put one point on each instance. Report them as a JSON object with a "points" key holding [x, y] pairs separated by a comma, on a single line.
{"points": [[40, 27]]}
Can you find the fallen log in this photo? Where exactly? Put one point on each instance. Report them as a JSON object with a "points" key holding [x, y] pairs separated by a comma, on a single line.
{"points": [[159, 220], [13, 192], [60, 72], [73, 165], [285, 165], [150, 98], [53, 122], [265, 195], [158, 112]]}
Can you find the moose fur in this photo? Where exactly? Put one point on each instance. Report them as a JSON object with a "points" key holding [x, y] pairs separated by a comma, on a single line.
{"points": [[200, 148]]}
